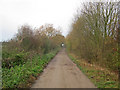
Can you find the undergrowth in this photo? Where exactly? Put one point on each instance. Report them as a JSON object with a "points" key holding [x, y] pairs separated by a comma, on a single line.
{"points": [[22, 75], [102, 78]]}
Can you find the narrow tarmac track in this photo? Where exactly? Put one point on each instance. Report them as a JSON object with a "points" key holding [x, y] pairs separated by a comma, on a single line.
{"points": [[61, 72]]}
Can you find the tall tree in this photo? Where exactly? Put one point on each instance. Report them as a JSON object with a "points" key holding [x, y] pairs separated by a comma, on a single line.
{"points": [[119, 42]]}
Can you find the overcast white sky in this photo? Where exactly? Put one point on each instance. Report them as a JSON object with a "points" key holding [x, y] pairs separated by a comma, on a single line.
{"points": [[14, 13]]}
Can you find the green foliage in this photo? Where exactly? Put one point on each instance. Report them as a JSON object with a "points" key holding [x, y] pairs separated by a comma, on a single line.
{"points": [[27, 43], [26, 55], [13, 59], [5, 55], [21, 73], [101, 78], [93, 37]]}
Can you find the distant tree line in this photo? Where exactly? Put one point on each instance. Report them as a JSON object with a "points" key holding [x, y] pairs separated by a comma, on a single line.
{"points": [[41, 39], [29, 42]]}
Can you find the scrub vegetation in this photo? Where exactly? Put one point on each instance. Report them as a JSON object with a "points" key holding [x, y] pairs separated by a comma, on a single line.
{"points": [[93, 43], [25, 56], [94, 37]]}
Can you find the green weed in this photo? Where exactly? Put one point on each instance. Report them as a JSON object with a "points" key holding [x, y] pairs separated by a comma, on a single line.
{"points": [[101, 79], [20, 74]]}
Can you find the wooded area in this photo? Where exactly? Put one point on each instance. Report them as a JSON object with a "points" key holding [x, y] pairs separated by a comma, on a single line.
{"points": [[93, 44], [26, 55], [41, 40], [94, 35]]}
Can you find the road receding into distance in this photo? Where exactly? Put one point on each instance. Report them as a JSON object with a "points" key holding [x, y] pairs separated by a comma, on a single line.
{"points": [[61, 72]]}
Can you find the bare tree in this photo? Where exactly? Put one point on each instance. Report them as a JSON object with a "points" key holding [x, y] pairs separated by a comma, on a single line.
{"points": [[119, 42]]}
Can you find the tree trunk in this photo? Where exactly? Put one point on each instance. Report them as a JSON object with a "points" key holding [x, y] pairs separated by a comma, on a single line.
{"points": [[119, 42]]}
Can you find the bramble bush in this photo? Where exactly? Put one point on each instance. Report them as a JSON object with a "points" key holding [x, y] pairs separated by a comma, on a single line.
{"points": [[26, 55], [20, 74]]}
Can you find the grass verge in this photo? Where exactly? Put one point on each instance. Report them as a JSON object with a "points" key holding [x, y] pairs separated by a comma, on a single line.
{"points": [[21, 76], [102, 78]]}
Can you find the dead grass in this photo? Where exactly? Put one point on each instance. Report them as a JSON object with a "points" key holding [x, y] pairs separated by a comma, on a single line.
{"points": [[101, 77]]}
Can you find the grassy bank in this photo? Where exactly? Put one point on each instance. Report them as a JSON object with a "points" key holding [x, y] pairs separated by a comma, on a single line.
{"points": [[101, 77], [23, 75]]}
